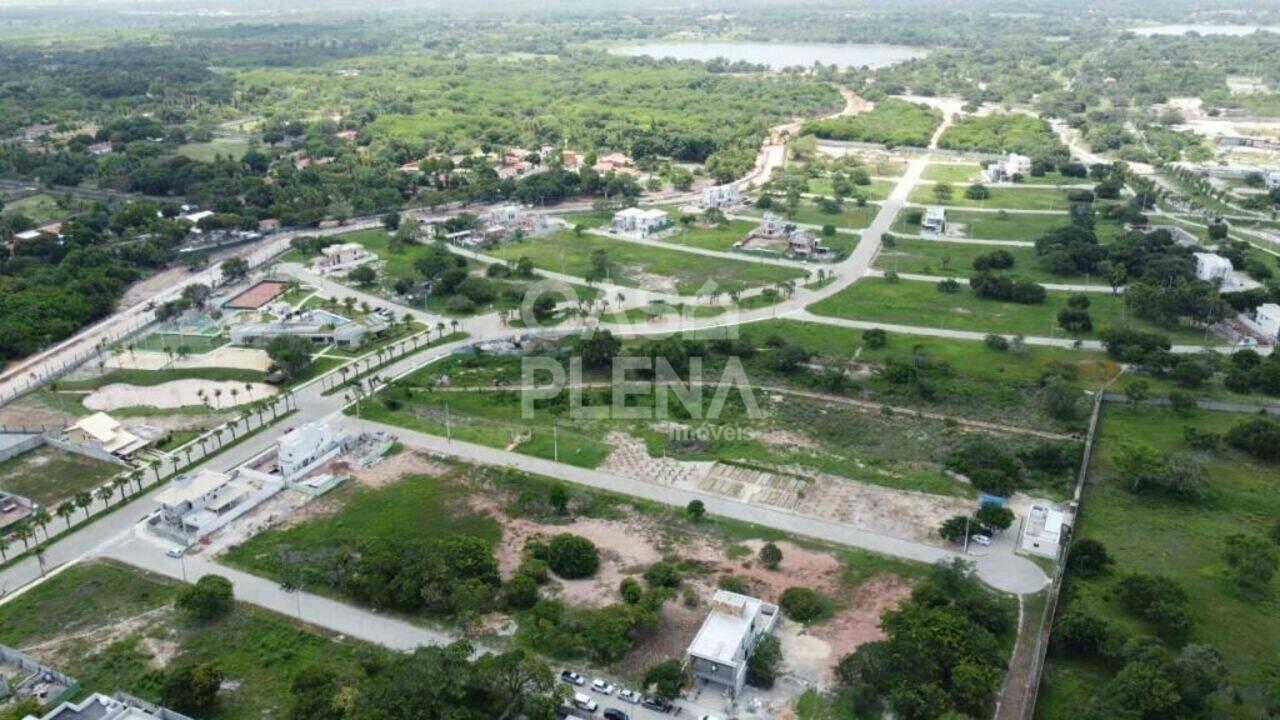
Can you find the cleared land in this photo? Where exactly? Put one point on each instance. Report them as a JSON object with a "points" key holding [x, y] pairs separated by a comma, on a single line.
{"points": [[48, 475], [999, 133], [113, 627], [850, 217], [1006, 226], [893, 121], [650, 268], [1182, 539], [209, 151], [877, 190], [922, 304]]}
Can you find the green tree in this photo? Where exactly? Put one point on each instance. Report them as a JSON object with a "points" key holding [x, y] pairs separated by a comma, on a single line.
{"points": [[289, 355], [762, 664], [521, 592], [192, 689], [363, 275], [995, 516], [572, 556], [803, 604], [234, 270], [954, 528], [696, 510], [771, 556], [1088, 557], [599, 350], [942, 192], [209, 598], [666, 678]]}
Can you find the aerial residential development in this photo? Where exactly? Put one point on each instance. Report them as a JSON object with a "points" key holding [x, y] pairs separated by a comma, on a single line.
{"points": [[529, 360]]}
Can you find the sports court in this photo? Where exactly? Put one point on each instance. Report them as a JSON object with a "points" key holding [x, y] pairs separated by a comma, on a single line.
{"points": [[256, 295]]}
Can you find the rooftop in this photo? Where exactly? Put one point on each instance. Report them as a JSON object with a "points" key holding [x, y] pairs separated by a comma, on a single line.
{"points": [[726, 627], [190, 487]]}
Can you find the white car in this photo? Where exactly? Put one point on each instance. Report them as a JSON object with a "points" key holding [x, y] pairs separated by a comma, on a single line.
{"points": [[708, 717], [630, 696], [980, 539], [582, 702], [602, 687], [573, 678]]}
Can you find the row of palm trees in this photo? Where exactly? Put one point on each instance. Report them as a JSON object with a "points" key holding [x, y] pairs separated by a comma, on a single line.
{"points": [[118, 487]]}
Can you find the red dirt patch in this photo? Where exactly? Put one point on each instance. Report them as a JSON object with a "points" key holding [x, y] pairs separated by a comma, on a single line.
{"points": [[256, 295]]}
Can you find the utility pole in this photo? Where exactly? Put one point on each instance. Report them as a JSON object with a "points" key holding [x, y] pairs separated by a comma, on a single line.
{"points": [[555, 438], [448, 426]]}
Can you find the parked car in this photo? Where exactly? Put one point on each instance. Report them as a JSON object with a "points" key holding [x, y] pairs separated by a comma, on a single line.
{"points": [[980, 539], [602, 687], [708, 717], [655, 703], [573, 678], [175, 553], [630, 696], [615, 714], [582, 702]]}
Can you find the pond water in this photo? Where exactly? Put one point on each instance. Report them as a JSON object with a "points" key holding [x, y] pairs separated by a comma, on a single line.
{"points": [[1204, 29], [775, 55]]}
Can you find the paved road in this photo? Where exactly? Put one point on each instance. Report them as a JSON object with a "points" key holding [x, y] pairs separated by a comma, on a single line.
{"points": [[1011, 574]]}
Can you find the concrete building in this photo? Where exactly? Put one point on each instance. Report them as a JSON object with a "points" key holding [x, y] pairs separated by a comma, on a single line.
{"points": [[504, 222], [804, 244], [318, 326], [102, 430], [640, 222], [13, 510], [718, 654], [1266, 320], [1214, 268], [118, 707], [1004, 169], [1273, 179], [934, 220], [306, 447], [721, 196], [196, 505], [344, 256], [1044, 531], [771, 226]]}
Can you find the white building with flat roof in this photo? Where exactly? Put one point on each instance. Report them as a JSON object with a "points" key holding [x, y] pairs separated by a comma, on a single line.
{"points": [[1214, 268], [718, 654], [343, 256], [721, 196], [1266, 320], [100, 707], [306, 447], [640, 222], [1273, 179], [934, 220], [1004, 169], [1044, 531]]}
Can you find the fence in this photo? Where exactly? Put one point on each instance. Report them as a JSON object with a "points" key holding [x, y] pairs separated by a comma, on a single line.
{"points": [[13, 450], [1035, 674], [38, 674]]}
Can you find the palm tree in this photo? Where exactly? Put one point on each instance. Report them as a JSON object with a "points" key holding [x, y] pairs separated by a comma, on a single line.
{"points": [[42, 518], [24, 533], [235, 395], [65, 511], [220, 433], [454, 323], [83, 501], [217, 398], [440, 328], [3, 547], [120, 483], [105, 493]]}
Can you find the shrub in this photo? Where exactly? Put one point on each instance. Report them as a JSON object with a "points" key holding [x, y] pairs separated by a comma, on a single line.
{"points": [[662, 574], [875, 338], [209, 598], [803, 604], [999, 343], [666, 678], [771, 556], [1075, 321], [521, 592], [696, 509], [733, 583], [1088, 558], [192, 689], [630, 591], [1082, 634], [1159, 600], [572, 556], [1252, 559], [995, 516], [1258, 437]]}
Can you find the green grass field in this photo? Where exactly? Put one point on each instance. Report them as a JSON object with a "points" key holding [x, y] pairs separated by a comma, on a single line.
{"points": [[130, 615], [717, 237], [1031, 198], [1008, 226], [877, 190], [1181, 539], [685, 273], [210, 151], [48, 475], [921, 304], [851, 217], [195, 344], [41, 207], [954, 173], [930, 257]]}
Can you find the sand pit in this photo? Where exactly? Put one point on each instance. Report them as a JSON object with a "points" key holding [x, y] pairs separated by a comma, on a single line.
{"points": [[226, 356], [176, 394]]}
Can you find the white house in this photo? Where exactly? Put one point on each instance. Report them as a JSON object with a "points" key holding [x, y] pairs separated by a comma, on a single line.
{"points": [[1213, 267], [1273, 179], [1004, 169], [195, 217], [804, 244], [771, 226], [1266, 319], [718, 654], [192, 503], [1044, 531], [343, 256], [935, 220], [640, 222], [100, 707], [721, 196], [305, 447], [102, 430]]}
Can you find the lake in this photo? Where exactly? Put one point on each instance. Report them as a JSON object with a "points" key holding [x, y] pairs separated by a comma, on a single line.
{"points": [[776, 55], [1202, 29]]}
